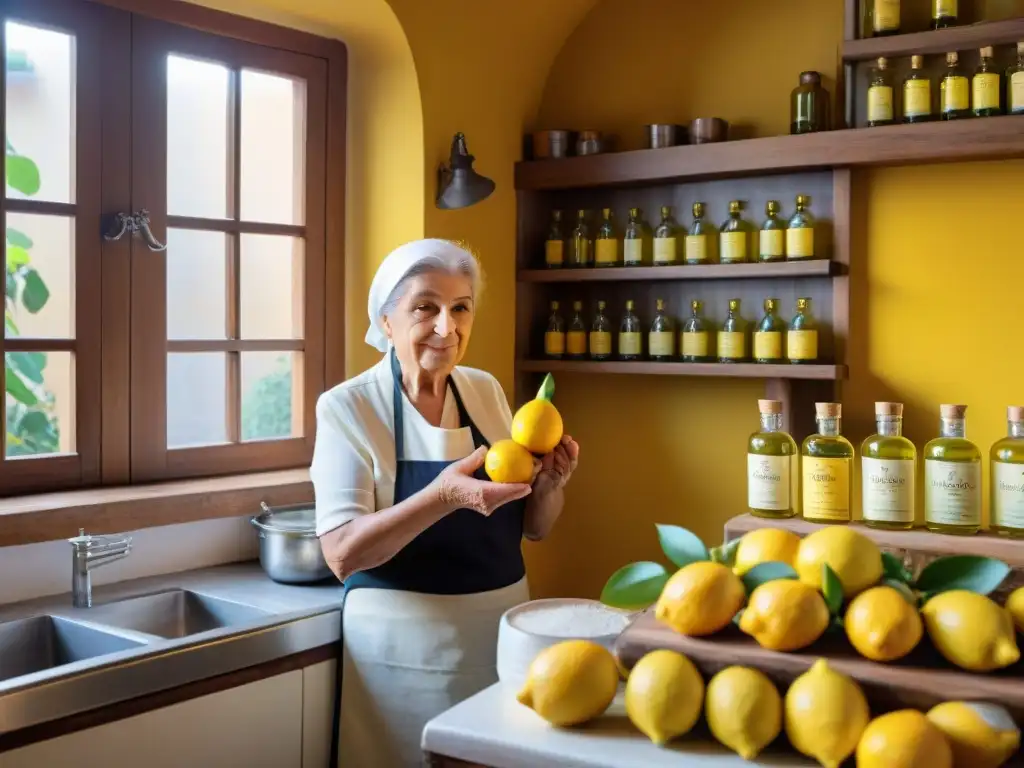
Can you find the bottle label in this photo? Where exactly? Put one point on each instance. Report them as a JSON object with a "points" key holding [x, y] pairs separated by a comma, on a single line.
{"points": [[600, 343], [582, 248], [768, 482], [695, 344], [1008, 494], [879, 103], [954, 94], [1016, 92], [887, 15], [664, 250], [917, 98], [554, 252], [952, 492], [944, 8], [887, 490], [802, 345], [985, 90], [607, 251], [554, 343], [734, 247], [826, 484], [629, 343], [732, 345], [773, 243], [633, 251], [576, 343], [662, 344], [697, 248], [767, 345], [800, 242]]}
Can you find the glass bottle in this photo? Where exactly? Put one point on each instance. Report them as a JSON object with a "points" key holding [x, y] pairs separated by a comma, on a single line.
{"points": [[606, 245], [634, 243], [554, 246], [600, 335], [888, 464], [885, 17], [771, 465], [630, 337], [917, 93], [1007, 465], [952, 477], [554, 336], [772, 238], [1015, 84], [666, 239], [734, 238], [768, 336], [802, 337], [698, 239], [800, 231], [694, 339], [986, 87], [576, 336], [826, 460], [954, 90], [732, 339], [880, 94], [661, 341], [809, 105], [581, 253], [944, 13]]}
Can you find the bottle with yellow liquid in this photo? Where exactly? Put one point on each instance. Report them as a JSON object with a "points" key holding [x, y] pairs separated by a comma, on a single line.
{"points": [[734, 237], [888, 470], [954, 90], [606, 245], [802, 336], [826, 459], [700, 237], [884, 16], [666, 240], [636, 241], [732, 339], [944, 13], [661, 341], [880, 100], [771, 465], [1007, 465], [986, 87], [630, 336], [800, 231], [1015, 84], [917, 93], [600, 335], [952, 477], [581, 251], [769, 333], [554, 336], [554, 246], [772, 238], [576, 336], [695, 338]]}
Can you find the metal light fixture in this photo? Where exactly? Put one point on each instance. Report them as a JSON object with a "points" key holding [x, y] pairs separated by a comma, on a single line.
{"points": [[458, 185]]}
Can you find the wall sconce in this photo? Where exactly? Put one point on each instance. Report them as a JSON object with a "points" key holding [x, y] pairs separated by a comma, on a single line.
{"points": [[458, 185]]}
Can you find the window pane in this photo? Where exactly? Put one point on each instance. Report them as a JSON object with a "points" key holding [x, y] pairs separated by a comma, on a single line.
{"points": [[273, 148], [268, 410], [198, 123], [196, 398], [40, 403], [271, 303], [196, 284], [40, 276], [40, 113]]}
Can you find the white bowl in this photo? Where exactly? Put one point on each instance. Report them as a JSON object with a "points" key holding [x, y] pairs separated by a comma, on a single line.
{"points": [[529, 628]]}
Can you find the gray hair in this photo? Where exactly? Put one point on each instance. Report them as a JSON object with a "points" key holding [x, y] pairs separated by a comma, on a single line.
{"points": [[454, 260]]}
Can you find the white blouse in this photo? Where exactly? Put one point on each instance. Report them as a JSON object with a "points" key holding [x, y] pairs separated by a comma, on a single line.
{"points": [[353, 469]]}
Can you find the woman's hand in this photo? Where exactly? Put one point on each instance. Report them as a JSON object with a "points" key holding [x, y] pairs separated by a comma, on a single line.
{"points": [[458, 489], [557, 466]]}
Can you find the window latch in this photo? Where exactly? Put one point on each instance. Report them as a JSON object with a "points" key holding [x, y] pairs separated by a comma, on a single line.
{"points": [[118, 224]]}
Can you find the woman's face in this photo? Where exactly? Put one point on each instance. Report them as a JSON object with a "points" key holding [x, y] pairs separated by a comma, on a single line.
{"points": [[431, 325]]}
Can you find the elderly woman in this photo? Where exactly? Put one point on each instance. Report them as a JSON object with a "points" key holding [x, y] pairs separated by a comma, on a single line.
{"points": [[428, 549]]}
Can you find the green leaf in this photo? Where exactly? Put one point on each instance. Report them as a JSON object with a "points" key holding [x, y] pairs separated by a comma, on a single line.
{"points": [[17, 389], [547, 388], [738, 617], [635, 586], [681, 546], [832, 589], [902, 588], [34, 423], [726, 553], [22, 174], [768, 571], [893, 568], [971, 572], [18, 238], [28, 364], [16, 257], [35, 294]]}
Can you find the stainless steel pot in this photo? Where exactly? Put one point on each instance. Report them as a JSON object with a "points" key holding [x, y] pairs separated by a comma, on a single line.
{"points": [[289, 549]]}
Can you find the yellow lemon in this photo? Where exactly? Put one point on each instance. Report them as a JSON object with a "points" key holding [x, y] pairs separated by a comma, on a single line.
{"points": [[971, 630], [664, 695], [882, 625], [700, 599], [508, 462], [903, 739], [537, 426], [825, 714], [854, 557], [570, 682], [765, 545], [785, 615], [981, 735], [1015, 605], [744, 710]]}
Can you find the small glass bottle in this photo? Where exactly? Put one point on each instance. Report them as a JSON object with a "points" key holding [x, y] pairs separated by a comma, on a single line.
{"points": [[800, 231], [772, 238], [1007, 465], [694, 339], [826, 459], [630, 336], [732, 339], [576, 336], [944, 13], [888, 470], [661, 341], [917, 93], [768, 336], [554, 336], [554, 246], [986, 87], [809, 105], [600, 335], [802, 336], [581, 253], [698, 239], [952, 477], [880, 99], [771, 465], [954, 90], [634, 243], [1015, 84], [885, 17], [606, 245], [734, 237], [666, 239]]}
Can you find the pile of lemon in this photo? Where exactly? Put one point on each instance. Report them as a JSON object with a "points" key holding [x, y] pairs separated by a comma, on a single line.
{"points": [[536, 429]]}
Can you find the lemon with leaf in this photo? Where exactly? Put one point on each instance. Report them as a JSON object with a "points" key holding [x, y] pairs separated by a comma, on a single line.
{"points": [[785, 615], [537, 425], [765, 545], [700, 599], [854, 558]]}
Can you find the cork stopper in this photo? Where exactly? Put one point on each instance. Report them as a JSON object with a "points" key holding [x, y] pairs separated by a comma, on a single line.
{"points": [[889, 409], [1015, 413], [916, 61], [987, 52], [769, 406], [953, 411], [828, 410], [952, 58]]}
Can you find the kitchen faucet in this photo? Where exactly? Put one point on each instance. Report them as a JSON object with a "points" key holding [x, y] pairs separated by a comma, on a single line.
{"points": [[87, 553]]}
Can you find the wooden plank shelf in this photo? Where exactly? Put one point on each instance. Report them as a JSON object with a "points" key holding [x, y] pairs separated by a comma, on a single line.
{"points": [[754, 270], [937, 41], [817, 372]]}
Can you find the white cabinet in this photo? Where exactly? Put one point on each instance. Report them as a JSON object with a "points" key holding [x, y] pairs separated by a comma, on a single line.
{"points": [[318, 683]]}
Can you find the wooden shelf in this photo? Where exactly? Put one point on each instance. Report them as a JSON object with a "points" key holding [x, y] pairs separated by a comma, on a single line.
{"points": [[781, 269], [940, 41], [822, 372], [945, 141]]}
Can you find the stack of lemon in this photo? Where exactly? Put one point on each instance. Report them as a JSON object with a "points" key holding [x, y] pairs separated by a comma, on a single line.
{"points": [[536, 429]]}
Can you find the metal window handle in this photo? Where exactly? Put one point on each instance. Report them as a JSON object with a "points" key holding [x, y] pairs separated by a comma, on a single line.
{"points": [[118, 224]]}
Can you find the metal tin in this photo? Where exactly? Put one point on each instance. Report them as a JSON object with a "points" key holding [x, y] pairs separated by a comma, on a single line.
{"points": [[289, 548], [551, 144], [661, 135], [590, 143]]}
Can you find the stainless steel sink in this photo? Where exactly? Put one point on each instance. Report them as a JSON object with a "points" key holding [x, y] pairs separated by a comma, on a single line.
{"points": [[173, 614], [44, 642]]}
